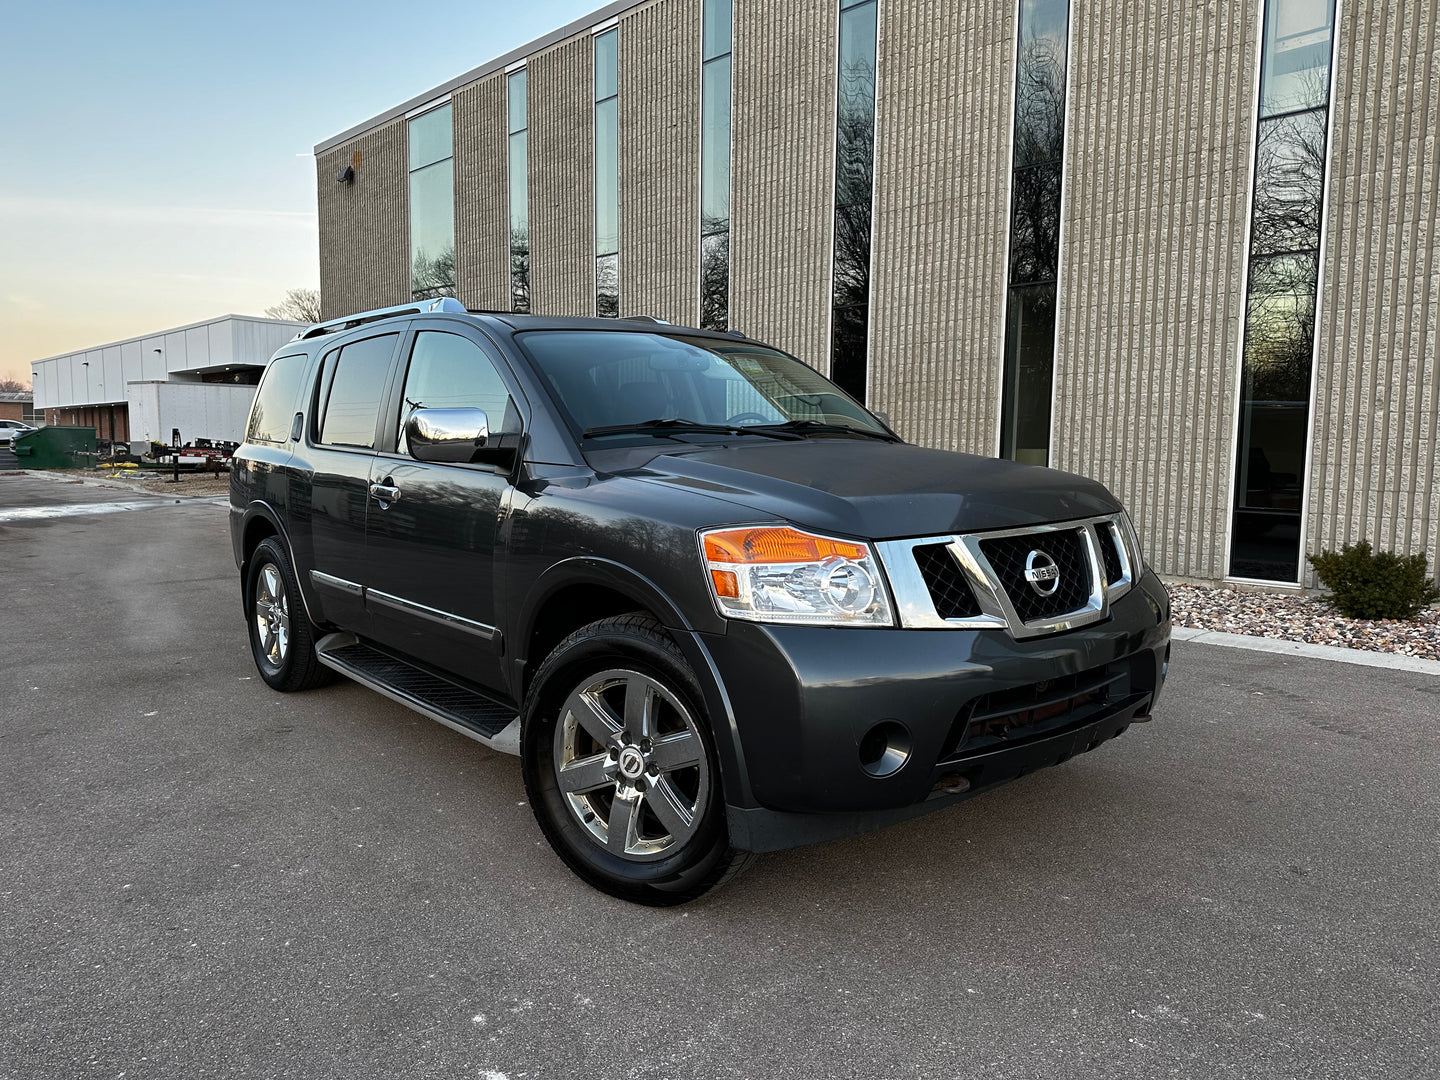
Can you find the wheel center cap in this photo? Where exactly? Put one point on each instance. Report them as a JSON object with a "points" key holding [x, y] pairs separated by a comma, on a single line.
{"points": [[632, 763]]}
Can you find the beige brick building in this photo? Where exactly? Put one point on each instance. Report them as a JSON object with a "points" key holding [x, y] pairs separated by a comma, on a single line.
{"points": [[1190, 250]]}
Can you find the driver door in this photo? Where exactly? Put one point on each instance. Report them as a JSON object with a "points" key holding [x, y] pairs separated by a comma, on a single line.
{"points": [[432, 534]]}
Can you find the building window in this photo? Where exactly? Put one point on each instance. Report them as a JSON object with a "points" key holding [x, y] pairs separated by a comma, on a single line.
{"points": [[607, 174], [715, 44], [1037, 164], [1283, 280], [854, 185], [519, 194], [432, 205]]}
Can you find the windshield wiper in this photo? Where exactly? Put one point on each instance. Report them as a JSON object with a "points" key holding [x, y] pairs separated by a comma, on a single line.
{"points": [[820, 427], [674, 426]]}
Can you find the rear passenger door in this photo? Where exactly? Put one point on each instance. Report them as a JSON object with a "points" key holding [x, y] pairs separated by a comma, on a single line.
{"points": [[352, 385], [431, 551]]}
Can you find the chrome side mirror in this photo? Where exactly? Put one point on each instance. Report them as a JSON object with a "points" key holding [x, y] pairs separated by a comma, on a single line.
{"points": [[446, 436]]}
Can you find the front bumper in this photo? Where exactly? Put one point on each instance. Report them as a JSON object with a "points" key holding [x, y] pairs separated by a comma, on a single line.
{"points": [[977, 708]]}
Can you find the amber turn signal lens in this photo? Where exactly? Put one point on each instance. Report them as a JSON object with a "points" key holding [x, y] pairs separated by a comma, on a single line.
{"points": [[775, 545], [726, 584]]}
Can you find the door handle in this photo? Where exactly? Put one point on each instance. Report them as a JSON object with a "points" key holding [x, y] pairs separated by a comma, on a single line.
{"points": [[384, 494]]}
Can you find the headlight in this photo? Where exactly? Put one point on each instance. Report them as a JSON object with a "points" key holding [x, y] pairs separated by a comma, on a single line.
{"points": [[782, 575], [1132, 545]]}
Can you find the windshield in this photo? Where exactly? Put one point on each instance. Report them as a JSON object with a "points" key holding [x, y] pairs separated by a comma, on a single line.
{"points": [[613, 380]]}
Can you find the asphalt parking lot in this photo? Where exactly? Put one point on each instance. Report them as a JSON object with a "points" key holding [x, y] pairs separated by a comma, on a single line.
{"points": [[202, 878]]}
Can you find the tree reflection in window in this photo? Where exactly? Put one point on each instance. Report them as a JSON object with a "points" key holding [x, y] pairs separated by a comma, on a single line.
{"points": [[854, 186], [715, 46], [607, 174], [1283, 279], [1035, 195], [519, 194], [432, 204]]}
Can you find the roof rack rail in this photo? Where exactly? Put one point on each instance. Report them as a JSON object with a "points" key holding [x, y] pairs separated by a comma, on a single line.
{"points": [[650, 319], [415, 307]]}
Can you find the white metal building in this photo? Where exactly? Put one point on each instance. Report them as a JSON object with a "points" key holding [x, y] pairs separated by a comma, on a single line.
{"points": [[104, 387]]}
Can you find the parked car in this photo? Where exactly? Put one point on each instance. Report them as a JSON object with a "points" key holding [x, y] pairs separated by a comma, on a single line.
{"points": [[10, 430], [715, 605]]}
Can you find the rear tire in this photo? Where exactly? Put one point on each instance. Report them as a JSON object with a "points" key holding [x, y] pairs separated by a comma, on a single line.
{"points": [[282, 637], [621, 769]]}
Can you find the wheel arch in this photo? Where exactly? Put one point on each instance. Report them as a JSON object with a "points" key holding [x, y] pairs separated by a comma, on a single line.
{"points": [[582, 590], [261, 522]]}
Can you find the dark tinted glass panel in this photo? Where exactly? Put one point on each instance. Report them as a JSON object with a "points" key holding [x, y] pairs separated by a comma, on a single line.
{"points": [[855, 134], [715, 36], [1035, 224], [353, 405], [606, 65], [607, 286], [854, 173], [607, 178], [715, 281], [274, 406], [1289, 183], [1283, 279], [1040, 82], [448, 372], [1296, 71], [1038, 153], [430, 137], [1029, 374], [432, 230], [715, 147], [516, 90]]}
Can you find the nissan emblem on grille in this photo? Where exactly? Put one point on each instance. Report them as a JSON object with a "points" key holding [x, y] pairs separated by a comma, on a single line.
{"points": [[1042, 573]]}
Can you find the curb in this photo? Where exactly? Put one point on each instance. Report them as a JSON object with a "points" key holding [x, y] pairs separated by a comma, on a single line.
{"points": [[1363, 657]]}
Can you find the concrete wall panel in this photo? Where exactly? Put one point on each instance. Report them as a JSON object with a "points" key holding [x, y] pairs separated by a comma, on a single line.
{"points": [[1375, 464], [1157, 175], [365, 225], [482, 212], [937, 313], [660, 161], [783, 175], [562, 179]]}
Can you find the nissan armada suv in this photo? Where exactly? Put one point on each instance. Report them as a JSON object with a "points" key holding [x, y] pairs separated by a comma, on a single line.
{"points": [[714, 605]]}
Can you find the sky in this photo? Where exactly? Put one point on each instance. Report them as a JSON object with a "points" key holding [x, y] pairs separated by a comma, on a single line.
{"points": [[157, 159]]}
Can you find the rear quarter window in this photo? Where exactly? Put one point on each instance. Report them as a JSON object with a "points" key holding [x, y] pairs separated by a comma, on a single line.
{"points": [[275, 400]]}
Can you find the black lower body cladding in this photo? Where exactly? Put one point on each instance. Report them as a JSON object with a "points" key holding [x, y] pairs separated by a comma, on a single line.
{"points": [[863, 727]]}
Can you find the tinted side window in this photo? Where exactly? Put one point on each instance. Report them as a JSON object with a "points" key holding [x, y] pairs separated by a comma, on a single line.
{"points": [[275, 400], [354, 403], [450, 372]]}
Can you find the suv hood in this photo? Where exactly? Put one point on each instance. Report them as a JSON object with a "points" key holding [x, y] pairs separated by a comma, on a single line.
{"points": [[878, 490]]}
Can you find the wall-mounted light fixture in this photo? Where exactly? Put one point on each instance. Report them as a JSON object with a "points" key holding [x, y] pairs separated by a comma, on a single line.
{"points": [[347, 175]]}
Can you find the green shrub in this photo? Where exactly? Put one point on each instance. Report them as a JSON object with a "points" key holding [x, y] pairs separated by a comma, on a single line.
{"points": [[1367, 584]]}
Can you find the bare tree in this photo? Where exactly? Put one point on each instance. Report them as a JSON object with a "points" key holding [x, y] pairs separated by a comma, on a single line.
{"points": [[433, 276], [12, 386], [301, 305]]}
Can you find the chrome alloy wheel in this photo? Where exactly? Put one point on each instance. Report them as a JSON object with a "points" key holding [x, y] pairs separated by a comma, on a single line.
{"points": [[272, 615], [630, 764]]}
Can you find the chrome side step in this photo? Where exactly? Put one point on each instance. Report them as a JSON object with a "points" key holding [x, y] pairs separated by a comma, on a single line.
{"points": [[457, 707]]}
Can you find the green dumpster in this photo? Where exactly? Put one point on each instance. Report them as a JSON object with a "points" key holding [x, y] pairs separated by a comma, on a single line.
{"points": [[55, 447]]}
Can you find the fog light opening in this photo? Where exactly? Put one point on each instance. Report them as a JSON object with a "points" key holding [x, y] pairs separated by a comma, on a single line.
{"points": [[885, 748]]}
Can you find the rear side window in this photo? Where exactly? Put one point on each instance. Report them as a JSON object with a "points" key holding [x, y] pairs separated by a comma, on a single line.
{"points": [[275, 400], [353, 406], [450, 372]]}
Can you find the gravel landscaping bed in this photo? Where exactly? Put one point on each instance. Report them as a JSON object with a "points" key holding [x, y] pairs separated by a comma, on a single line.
{"points": [[159, 482], [1298, 618]]}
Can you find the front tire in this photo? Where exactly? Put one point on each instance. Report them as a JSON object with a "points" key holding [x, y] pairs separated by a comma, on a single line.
{"points": [[282, 638], [621, 768]]}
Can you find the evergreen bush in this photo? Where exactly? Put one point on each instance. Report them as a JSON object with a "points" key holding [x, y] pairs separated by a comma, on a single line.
{"points": [[1366, 584]]}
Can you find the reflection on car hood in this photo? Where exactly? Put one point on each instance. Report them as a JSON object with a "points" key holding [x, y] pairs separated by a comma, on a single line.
{"points": [[874, 489]]}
